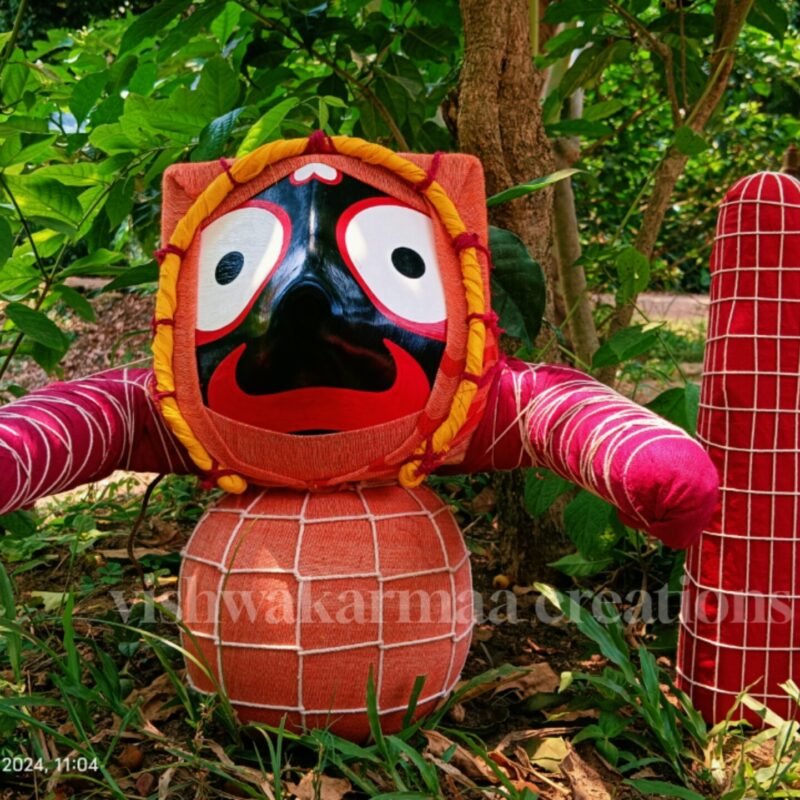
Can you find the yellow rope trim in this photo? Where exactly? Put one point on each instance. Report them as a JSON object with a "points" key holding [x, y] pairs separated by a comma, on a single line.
{"points": [[246, 169]]}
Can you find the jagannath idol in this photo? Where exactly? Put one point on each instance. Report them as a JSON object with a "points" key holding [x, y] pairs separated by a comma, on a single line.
{"points": [[324, 340]]}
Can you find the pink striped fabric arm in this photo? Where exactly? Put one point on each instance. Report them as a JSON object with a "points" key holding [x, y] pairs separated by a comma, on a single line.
{"points": [[71, 433], [656, 475]]}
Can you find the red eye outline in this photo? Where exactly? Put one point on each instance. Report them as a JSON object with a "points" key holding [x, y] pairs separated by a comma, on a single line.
{"points": [[431, 330], [204, 337]]}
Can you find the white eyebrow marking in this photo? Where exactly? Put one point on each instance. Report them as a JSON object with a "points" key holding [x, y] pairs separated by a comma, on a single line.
{"points": [[323, 172]]}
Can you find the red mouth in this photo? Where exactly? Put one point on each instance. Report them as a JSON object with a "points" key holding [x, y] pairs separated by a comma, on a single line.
{"points": [[320, 408]]}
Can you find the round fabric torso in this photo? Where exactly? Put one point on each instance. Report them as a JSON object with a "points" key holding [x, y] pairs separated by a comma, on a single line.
{"points": [[295, 601]]}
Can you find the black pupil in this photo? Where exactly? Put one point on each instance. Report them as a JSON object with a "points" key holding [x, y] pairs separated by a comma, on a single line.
{"points": [[229, 267], [408, 262]]}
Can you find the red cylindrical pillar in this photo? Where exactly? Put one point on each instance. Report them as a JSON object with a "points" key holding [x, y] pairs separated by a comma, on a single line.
{"points": [[740, 619]]}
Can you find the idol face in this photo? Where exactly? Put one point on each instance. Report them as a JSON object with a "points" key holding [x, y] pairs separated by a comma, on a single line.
{"points": [[320, 307]]}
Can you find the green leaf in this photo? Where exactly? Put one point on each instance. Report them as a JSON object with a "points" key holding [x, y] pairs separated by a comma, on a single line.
{"points": [[144, 116], [15, 78], [542, 489], [46, 199], [568, 40], [89, 265], [261, 130], [215, 135], [578, 566], [603, 110], [624, 345], [633, 270], [586, 519], [536, 185], [225, 24], [150, 23], [77, 302], [517, 285], [36, 325], [663, 789], [120, 201], [567, 10], [12, 151], [611, 644], [769, 16], [679, 405], [112, 139], [134, 276], [20, 523], [689, 142], [18, 276], [19, 123], [6, 241], [86, 93], [13, 639], [218, 89], [579, 127], [589, 65]]}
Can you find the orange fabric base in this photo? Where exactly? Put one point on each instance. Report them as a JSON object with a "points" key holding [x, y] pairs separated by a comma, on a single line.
{"points": [[294, 599]]}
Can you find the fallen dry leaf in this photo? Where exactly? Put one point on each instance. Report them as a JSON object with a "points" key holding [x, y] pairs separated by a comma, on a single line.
{"points": [[457, 713], [585, 780], [131, 758], [535, 679], [501, 581], [145, 783], [484, 688], [155, 699], [482, 633], [550, 753], [484, 501], [469, 764], [315, 786], [121, 554], [164, 782]]}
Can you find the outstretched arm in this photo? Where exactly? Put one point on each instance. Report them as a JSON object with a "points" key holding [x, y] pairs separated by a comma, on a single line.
{"points": [[657, 476], [71, 433]]}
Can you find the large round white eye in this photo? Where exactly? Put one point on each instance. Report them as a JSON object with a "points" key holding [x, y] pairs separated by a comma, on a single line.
{"points": [[238, 253], [391, 251]]}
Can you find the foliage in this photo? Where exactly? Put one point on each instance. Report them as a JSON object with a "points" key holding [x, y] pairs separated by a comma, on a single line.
{"points": [[85, 135], [644, 720], [89, 119], [625, 126]]}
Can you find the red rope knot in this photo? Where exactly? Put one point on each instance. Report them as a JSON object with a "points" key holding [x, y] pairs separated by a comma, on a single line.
{"points": [[319, 142], [472, 377], [430, 176], [471, 239], [210, 478], [162, 252], [227, 167], [154, 323], [490, 320], [429, 460]]}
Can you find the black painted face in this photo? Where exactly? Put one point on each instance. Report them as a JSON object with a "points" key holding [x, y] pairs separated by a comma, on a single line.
{"points": [[320, 307]]}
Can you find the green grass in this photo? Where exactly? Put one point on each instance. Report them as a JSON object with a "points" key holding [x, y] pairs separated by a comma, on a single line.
{"points": [[77, 681]]}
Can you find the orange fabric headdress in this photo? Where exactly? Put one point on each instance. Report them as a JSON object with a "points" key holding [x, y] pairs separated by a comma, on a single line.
{"points": [[447, 187]]}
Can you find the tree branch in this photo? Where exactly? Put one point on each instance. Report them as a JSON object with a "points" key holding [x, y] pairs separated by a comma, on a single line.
{"points": [[673, 163], [358, 85], [12, 41], [662, 50], [25, 226]]}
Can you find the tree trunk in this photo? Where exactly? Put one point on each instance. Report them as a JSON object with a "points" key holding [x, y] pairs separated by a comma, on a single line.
{"points": [[499, 120]]}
